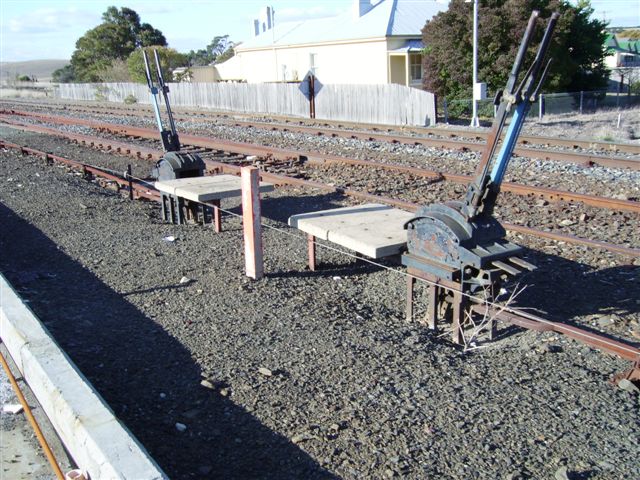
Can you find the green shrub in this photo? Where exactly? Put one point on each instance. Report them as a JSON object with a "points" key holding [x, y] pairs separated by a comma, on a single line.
{"points": [[130, 99]]}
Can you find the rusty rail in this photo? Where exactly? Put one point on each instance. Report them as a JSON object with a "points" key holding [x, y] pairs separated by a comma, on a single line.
{"points": [[319, 158], [140, 190], [623, 350], [533, 322], [334, 128], [142, 152]]}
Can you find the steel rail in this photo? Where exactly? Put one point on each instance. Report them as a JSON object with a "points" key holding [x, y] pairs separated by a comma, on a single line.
{"points": [[334, 128], [286, 180], [532, 322], [581, 159], [140, 190], [525, 320], [454, 144], [32, 420], [319, 158]]}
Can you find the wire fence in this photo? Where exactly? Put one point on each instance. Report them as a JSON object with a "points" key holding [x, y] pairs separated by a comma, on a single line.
{"points": [[578, 103]]}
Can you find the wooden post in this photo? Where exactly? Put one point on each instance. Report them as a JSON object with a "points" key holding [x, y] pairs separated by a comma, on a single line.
{"points": [[251, 222], [217, 218], [311, 247]]}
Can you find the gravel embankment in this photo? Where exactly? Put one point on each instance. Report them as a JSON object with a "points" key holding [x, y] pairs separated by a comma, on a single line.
{"points": [[309, 375]]}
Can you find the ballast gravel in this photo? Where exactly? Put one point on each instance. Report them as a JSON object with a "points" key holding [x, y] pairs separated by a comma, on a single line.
{"points": [[309, 374]]}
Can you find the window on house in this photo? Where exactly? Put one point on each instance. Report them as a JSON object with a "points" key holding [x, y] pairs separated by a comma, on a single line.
{"points": [[415, 67], [313, 63]]}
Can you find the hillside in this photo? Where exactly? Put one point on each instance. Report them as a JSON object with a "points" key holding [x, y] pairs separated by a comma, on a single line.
{"points": [[41, 69]]}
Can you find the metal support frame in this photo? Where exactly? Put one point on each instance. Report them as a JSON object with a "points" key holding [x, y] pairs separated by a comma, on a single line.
{"points": [[177, 210], [437, 289]]}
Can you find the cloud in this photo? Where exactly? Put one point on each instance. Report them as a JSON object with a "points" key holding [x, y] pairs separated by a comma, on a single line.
{"points": [[52, 20]]}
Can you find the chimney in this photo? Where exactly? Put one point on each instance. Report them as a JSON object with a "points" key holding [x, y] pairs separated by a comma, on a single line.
{"points": [[264, 22], [360, 7]]}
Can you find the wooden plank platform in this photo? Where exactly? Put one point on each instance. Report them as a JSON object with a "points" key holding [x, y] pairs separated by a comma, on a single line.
{"points": [[206, 189], [373, 229]]}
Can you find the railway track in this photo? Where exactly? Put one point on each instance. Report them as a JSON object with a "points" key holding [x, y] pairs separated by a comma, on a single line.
{"points": [[451, 138], [235, 149], [226, 150]]}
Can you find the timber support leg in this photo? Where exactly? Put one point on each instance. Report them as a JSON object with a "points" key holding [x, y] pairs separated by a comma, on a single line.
{"points": [[217, 218], [311, 247]]}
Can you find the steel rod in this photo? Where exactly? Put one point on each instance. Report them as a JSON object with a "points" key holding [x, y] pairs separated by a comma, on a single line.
{"points": [[32, 420]]}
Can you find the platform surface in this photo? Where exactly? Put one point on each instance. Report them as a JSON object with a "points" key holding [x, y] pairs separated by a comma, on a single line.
{"points": [[203, 189], [90, 431], [373, 229]]}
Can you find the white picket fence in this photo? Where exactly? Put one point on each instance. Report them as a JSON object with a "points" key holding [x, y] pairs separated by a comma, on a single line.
{"points": [[382, 104]]}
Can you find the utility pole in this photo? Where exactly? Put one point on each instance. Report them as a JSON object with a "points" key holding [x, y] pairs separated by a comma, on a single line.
{"points": [[474, 119]]}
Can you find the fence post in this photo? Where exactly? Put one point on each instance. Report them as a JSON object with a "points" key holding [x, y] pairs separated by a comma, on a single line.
{"points": [[581, 99], [130, 182], [540, 107], [312, 96], [446, 111], [253, 258]]}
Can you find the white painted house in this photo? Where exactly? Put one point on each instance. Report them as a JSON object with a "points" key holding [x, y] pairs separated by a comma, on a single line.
{"points": [[377, 42]]}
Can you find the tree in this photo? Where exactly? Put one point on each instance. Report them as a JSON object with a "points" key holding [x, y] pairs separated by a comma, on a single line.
{"points": [[115, 38], [577, 46], [169, 59], [117, 71], [64, 74], [219, 50]]}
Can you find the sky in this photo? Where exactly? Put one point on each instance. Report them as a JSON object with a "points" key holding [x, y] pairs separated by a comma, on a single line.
{"points": [[48, 29]]}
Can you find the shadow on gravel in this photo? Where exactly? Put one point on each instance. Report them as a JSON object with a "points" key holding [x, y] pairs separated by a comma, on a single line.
{"points": [[326, 269], [281, 208], [564, 290], [147, 377]]}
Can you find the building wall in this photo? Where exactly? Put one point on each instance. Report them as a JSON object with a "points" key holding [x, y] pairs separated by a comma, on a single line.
{"points": [[355, 63], [204, 74], [397, 69]]}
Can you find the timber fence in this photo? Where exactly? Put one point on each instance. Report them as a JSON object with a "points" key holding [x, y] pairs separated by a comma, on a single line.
{"points": [[382, 104]]}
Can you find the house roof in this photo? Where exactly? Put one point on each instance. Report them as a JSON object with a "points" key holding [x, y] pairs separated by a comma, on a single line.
{"points": [[386, 18], [613, 43], [410, 46]]}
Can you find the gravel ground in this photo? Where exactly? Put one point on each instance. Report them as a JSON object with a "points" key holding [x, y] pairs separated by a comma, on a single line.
{"points": [[309, 375]]}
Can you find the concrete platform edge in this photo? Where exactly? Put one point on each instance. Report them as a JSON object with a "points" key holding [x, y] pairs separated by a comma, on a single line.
{"points": [[97, 441]]}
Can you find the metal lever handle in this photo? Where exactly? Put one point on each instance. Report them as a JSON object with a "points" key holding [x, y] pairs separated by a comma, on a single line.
{"points": [[542, 50], [524, 45], [543, 77], [148, 72], [158, 69]]}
